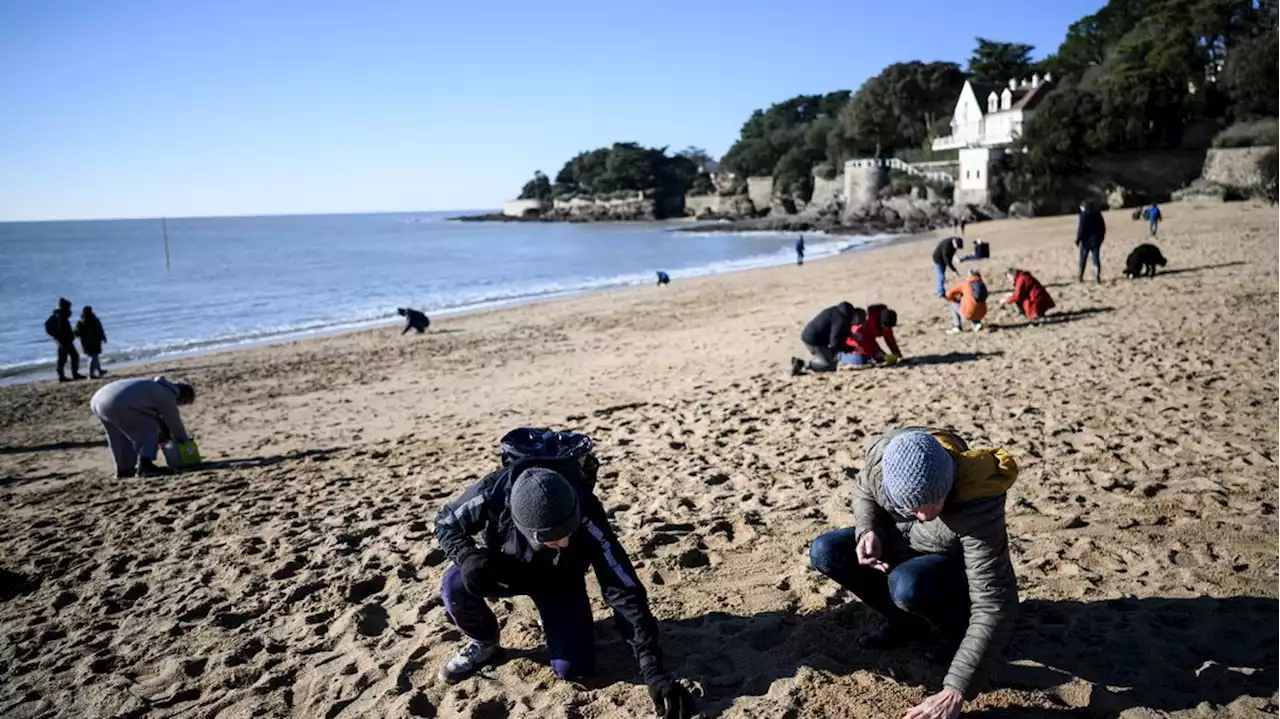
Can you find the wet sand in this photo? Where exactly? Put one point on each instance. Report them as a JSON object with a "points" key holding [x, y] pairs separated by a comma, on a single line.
{"points": [[297, 575]]}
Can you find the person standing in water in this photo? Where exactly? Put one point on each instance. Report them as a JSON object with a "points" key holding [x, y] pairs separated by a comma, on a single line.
{"points": [[800, 250], [92, 337], [58, 327]]}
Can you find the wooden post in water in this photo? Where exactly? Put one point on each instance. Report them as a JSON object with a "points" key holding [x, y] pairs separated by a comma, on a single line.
{"points": [[164, 228]]}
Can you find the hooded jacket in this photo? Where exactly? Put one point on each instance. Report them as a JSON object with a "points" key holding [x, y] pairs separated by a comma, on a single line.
{"points": [[970, 527], [864, 337], [1030, 295], [944, 254], [89, 330], [484, 509], [970, 308], [155, 398], [58, 326], [831, 328], [1091, 229]]}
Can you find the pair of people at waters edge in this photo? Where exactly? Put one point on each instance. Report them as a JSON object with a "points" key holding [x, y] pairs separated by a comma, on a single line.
{"points": [[1028, 295], [413, 320], [543, 529], [1091, 230], [59, 329], [139, 415], [863, 346], [968, 301], [826, 336], [944, 256], [929, 551], [92, 337]]}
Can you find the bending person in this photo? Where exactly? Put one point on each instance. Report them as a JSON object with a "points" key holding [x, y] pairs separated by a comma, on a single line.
{"points": [[825, 337], [413, 320], [929, 551], [137, 414], [543, 529], [864, 339], [1029, 296]]}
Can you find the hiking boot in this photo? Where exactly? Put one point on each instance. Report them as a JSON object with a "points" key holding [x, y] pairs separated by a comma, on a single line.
{"points": [[147, 468], [797, 366], [470, 659], [889, 635]]}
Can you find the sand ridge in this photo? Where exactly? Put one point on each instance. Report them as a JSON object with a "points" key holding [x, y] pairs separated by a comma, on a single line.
{"points": [[298, 574]]}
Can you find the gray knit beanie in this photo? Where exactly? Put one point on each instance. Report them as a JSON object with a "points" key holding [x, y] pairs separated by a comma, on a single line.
{"points": [[917, 471], [544, 506]]}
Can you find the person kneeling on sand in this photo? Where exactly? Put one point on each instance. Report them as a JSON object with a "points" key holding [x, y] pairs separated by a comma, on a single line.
{"points": [[825, 336], [543, 528], [929, 551], [968, 302], [864, 338], [137, 414], [1029, 296], [413, 320]]}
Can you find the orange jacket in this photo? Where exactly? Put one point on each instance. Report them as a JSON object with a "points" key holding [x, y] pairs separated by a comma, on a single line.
{"points": [[970, 308]]}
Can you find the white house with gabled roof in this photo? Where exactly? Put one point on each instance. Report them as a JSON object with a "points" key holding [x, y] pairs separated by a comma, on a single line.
{"points": [[987, 119]]}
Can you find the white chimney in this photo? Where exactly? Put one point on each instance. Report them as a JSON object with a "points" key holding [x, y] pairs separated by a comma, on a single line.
{"points": [[1023, 83], [1035, 80], [1013, 83]]}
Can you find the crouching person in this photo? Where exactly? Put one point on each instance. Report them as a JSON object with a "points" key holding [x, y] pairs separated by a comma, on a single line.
{"points": [[929, 552], [138, 414], [543, 529]]}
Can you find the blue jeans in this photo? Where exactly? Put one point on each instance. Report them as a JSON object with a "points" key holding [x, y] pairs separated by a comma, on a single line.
{"points": [[928, 590], [566, 621], [1155, 225], [940, 272], [1091, 247]]}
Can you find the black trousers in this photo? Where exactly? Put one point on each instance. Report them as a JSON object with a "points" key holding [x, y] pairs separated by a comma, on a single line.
{"points": [[65, 352]]}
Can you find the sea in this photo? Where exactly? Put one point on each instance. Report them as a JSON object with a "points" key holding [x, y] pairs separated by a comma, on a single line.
{"points": [[224, 282]]}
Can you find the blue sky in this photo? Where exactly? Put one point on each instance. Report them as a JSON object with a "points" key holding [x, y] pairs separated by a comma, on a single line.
{"points": [[147, 108]]}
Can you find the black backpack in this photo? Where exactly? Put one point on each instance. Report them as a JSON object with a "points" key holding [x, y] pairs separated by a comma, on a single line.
{"points": [[569, 453], [979, 289]]}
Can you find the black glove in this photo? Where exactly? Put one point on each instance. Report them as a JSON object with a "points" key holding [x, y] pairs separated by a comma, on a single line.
{"points": [[477, 575], [670, 699]]}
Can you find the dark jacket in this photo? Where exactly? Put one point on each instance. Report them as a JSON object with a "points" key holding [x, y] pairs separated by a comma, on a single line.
{"points": [[1091, 229], [945, 253], [58, 326], [92, 336], [415, 320], [484, 508], [831, 328], [971, 527]]}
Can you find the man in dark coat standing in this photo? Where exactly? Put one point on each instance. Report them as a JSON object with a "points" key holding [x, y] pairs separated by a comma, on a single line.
{"points": [[58, 327], [1091, 230]]}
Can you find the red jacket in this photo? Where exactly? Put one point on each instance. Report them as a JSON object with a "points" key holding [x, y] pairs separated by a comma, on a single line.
{"points": [[864, 340], [1029, 294]]}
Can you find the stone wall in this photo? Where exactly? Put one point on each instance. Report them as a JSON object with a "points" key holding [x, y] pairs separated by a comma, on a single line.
{"points": [[863, 180], [1234, 166], [760, 191], [699, 205], [632, 207], [519, 208]]}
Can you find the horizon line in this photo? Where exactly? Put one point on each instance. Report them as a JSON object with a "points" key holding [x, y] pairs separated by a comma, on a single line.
{"points": [[243, 216]]}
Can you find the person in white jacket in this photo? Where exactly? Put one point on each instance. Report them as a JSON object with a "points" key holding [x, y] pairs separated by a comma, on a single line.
{"points": [[137, 414]]}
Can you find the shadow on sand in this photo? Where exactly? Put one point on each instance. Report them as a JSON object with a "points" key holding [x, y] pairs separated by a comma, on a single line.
{"points": [[948, 358], [1155, 648], [1058, 318], [269, 461], [53, 447]]}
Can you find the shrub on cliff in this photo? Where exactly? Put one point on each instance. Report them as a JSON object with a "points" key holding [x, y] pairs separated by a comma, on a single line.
{"points": [[1256, 133]]}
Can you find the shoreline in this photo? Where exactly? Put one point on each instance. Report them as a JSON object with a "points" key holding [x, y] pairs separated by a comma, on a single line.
{"points": [[23, 375]]}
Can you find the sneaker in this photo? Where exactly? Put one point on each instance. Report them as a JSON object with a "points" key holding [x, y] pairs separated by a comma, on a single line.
{"points": [[797, 366], [954, 331], [147, 468], [470, 659], [889, 635], [977, 326]]}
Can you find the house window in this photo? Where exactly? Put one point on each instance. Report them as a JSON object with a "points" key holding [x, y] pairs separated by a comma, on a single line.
{"points": [[966, 174], [977, 174]]}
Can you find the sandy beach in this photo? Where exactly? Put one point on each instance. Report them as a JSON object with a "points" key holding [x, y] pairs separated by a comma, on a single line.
{"points": [[297, 575]]}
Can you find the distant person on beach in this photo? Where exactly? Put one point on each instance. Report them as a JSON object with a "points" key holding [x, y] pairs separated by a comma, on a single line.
{"points": [[968, 302], [864, 338], [92, 337], [1154, 216], [543, 529], [826, 336], [663, 278], [413, 320], [800, 250], [943, 258], [929, 551], [963, 224], [58, 327], [1091, 230], [1028, 295], [138, 415]]}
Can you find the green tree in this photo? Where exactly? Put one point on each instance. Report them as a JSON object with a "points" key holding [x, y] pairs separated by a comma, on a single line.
{"points": [[898, 109], [1052, 153], [995, 62], [539, 188], [1249, 76], [769, 134]]}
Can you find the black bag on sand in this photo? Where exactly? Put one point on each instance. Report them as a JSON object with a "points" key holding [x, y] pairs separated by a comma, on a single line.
{"points": [[979, 290], [569, 453]]}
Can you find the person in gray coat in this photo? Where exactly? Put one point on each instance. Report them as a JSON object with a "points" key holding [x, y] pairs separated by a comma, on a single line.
{"points": [[138, 414], [929, 551]]}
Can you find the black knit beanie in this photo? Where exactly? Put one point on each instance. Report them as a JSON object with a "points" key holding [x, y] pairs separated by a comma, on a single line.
{"points": [[544, 506]]}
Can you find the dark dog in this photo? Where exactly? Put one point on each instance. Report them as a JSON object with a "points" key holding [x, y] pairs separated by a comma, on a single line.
{"points": [[1143, 261]]}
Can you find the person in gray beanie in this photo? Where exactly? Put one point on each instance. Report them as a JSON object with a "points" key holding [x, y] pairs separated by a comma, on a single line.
{"points": [[543, 529], [929, 552]]}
